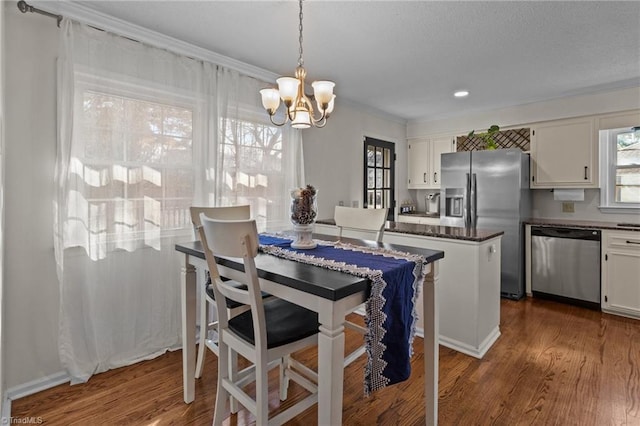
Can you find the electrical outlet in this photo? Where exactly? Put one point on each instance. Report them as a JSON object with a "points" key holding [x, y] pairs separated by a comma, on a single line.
{"points": [[341, 203], [568, 208]]}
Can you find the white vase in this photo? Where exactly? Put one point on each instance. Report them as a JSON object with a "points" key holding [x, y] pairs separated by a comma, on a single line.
{"points": [[303, 237]]}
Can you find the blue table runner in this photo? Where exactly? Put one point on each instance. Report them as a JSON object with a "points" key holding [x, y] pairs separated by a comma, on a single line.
{"points": [[396, 279]]}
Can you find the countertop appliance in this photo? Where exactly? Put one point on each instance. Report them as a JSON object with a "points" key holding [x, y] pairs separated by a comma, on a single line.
{"points": [[432, 202], [565, 264], [490, 190]]}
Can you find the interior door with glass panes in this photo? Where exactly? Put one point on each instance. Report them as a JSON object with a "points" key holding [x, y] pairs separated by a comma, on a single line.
{"points": [[379, 172]]}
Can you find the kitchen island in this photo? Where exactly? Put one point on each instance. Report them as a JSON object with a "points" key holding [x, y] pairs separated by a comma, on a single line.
{"points": [[469, 298]]}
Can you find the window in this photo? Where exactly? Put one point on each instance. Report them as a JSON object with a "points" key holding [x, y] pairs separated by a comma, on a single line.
{"points": [[132, 174], [252, 168], [133, 171], [620, 168], [379, 172]]}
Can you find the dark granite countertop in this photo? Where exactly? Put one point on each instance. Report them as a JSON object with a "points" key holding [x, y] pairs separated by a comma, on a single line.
{"points": [[437, 231], [618, 226]]}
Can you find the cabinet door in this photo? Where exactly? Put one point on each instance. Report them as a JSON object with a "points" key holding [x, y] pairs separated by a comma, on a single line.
{"points": [[438, 146], [418, 155], [564, 154], [621, 273]]}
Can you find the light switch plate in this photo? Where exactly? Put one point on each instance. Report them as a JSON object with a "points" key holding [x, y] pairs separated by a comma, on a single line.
{"points": [[568, 208]]}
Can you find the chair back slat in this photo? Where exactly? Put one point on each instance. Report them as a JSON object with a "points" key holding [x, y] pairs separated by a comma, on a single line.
{"points": [[226, 237], [233, 293], [372, 220], [222, 213]]}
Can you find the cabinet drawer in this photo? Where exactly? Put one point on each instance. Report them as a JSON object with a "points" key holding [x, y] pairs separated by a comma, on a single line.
{"points": [[626, 240]]}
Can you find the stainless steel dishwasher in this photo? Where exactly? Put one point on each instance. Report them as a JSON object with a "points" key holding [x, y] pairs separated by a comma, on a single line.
{"points": [[565, 265]]}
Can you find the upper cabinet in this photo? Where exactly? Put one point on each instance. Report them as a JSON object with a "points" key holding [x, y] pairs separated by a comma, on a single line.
{"points": [[564, 154], [618, 120], [418, 167], [424, 161]]}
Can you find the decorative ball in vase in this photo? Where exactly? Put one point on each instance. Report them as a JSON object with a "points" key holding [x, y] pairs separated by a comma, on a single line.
{"points": [[304, 209]]}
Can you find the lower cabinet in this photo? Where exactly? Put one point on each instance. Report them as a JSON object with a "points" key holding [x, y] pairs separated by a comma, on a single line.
{"points": [[621, 273]]}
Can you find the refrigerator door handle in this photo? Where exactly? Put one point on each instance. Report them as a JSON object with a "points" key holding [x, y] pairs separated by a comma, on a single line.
{"points": [[467, 192], [473, 213]]}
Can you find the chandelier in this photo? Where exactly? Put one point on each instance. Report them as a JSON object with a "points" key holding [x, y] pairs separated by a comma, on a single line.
{"points": [[299, 107]]}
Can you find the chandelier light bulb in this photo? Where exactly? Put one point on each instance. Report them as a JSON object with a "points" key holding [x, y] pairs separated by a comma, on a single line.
{"points": [[288, 88], [301, 119], [323, 91], [270, 100]]}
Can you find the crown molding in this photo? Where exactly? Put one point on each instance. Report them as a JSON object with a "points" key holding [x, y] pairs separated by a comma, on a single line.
{"points": [[85, 15]]}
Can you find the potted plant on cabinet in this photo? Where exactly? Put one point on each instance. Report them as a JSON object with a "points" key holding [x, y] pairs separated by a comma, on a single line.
{"points": [[487, 137]]}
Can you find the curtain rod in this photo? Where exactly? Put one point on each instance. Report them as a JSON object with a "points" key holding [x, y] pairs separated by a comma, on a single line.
{"points": [[24, 8]]}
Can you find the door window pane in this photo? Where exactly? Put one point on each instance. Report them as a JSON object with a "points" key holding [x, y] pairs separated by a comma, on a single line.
{"points": [[371, 178], [371, 156]]}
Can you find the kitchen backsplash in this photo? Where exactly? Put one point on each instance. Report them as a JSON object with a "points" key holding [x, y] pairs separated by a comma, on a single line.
{"points": [[545, 207]]}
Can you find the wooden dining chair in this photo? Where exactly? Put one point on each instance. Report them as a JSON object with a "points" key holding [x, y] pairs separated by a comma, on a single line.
{"points": [[370, 221], [207, 297], [271, 330]]}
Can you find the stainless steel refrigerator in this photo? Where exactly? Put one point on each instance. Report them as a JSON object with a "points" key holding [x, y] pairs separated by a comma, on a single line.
{"points": [[490, 190]]}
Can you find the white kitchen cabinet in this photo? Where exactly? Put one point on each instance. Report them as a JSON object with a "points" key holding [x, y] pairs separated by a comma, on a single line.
{"points": [[469, 288], [424, 161], [621, 273], [618, 120], [468, 293], [564, 154], [418, 167]]}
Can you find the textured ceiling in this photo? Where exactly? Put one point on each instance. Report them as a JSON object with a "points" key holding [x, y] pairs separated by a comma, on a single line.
{"points": [[406, 58]]}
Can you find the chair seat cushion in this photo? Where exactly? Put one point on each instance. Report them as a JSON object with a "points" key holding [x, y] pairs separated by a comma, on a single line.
{"points": [[231, 304], [286, 323]]}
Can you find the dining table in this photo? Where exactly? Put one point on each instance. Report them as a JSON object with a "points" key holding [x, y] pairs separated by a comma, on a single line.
{"points": [[332, 294]]}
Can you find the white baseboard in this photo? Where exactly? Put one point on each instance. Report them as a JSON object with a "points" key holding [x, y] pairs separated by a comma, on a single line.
{"points": [[29, 388], [476, 352]]}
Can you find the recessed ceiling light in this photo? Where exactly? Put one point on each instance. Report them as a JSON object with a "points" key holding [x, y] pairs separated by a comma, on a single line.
{"points": [[461, 94]]}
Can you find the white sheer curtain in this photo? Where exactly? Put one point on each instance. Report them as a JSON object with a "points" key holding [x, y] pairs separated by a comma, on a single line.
{"points": [[257, 163], [143, 134]]}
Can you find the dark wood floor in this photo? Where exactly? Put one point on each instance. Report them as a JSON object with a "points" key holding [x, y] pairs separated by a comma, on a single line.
{"points": [[553, 365]]}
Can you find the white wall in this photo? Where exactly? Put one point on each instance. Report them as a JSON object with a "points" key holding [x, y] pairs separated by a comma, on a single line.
{"points": [[30, 286], [544, 206], [334, 155]]}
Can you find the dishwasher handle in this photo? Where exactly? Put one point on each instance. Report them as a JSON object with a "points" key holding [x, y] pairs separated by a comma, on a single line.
{"points": [[570, 233]]}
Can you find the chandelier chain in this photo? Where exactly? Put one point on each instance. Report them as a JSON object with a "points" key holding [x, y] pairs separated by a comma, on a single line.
{"points": [[300, 59]]}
